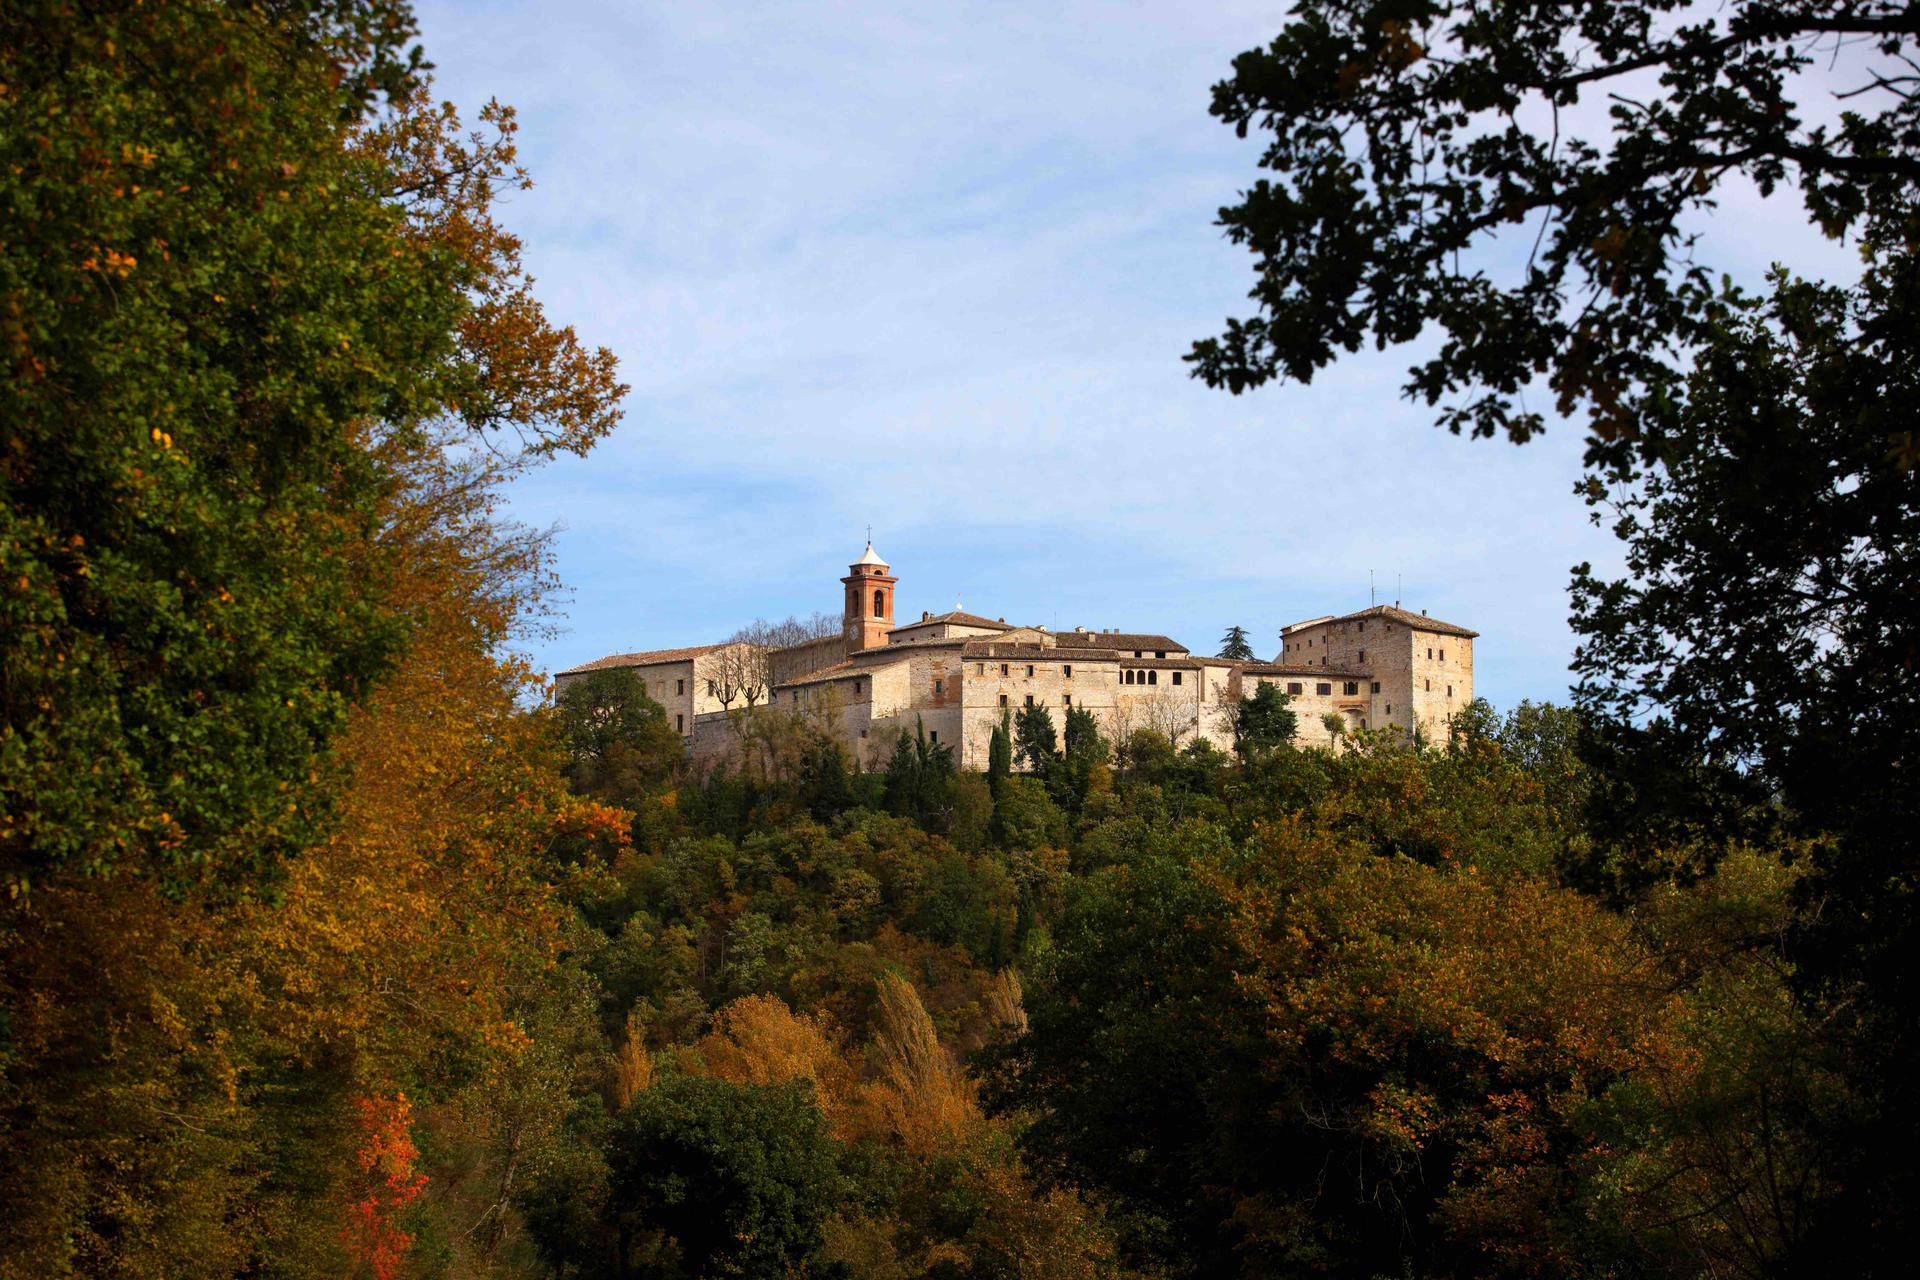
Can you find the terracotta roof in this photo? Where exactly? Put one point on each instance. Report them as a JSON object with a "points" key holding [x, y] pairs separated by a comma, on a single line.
{"points": [[1301, 669], [1405, 617], [1160, 664], [647, 659], [1116, 640], [850, 669], [985, 648], [958, 619]]}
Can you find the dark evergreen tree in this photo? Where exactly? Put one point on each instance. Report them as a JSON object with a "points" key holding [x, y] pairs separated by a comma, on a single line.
{"points": [[1234, 645]]}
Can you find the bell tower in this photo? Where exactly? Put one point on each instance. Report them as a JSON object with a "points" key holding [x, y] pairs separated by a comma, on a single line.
{"points": [[869, 601]]}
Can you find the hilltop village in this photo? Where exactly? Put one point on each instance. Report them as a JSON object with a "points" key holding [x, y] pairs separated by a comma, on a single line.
{"points": [[956, 674]]}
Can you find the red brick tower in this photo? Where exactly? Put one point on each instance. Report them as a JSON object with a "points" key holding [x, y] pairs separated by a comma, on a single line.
{"points": [[869, 601]]}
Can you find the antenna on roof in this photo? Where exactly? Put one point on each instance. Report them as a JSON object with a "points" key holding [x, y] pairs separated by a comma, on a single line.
{"points": [[1370, 598], [1396, 591]]}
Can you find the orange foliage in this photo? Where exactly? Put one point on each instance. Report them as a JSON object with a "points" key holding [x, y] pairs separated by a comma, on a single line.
{"points": [[389, 1183]]}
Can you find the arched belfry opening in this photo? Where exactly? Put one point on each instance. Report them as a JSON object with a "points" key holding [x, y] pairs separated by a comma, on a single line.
{"points": [[869, 601]]}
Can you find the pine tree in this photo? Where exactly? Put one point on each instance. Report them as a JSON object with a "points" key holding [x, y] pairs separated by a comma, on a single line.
{"points": [[1234, 645]]}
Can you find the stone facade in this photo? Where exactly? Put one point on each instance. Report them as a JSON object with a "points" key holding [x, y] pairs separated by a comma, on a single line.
{"points": [[955, 675]]}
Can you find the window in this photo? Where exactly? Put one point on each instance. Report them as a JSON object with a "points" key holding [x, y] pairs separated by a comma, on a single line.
{"points": [[1069, 699], [979, 668], [1293, 686], [1376, 686], [879, 604], [1176, 677], [1029, 699], [1159, 653], [680, 686], [1067, 671], [863, 733], [1003, 699], [1449, 691], [1363, 655], [680, 723], [1429, 686], [856, 688], [1351, 688], [939, 686], [1429, 655], [1136, 653], [1443, 655], [1323, 689], [711, 690], [934, 737], [1003, 668], [1153, 677], [1126, 677], [1029, 671], [1389, 708]]}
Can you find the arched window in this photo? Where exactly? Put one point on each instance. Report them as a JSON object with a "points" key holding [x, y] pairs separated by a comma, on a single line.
{"points": [[879, 604]]}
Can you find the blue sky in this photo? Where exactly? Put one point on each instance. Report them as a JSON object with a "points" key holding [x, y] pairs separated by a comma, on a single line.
{"points": [[932, 268]]}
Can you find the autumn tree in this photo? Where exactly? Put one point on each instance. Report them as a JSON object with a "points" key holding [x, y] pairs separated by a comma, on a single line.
{"points": [[1445, 166]]}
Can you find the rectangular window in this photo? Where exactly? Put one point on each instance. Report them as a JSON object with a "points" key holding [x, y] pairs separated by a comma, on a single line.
{"points": [[1029, 699], [1323, 689], [934, 737], [1376, 686], [1352, 687], [979, 668], [1029, 671], [1176, 677], [1443, 655], [1429, 686], [711, 691], [939, 686], [1159, 653], [1293, 686], [1449, 691], [1003, 669], [856, 688], [680, 686], [1389, 708], [1429, 655], [1363, 655], [1136, 653], [1003, 699], [1069, 699], [680, 723], [1067, 671]]}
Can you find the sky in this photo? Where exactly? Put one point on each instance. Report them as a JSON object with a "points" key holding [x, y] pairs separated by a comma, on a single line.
{"points": [[931, 269]]}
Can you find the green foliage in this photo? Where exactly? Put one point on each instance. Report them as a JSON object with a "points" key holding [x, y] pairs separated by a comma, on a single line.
{"points": [[618, 738], [1234, 645], [1263, 721], [918, 777], [727, 1179], [1000, 752], [208, 309], [1035, 740]]}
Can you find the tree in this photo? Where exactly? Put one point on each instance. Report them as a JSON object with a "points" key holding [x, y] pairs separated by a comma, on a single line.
{"points": [[1034, 737], [1263, 721], [1000, 751], [1756, 454], [791, 630], [728, 1179], [618, 738], [1234, 645], [1401, 152], [739, 670]]}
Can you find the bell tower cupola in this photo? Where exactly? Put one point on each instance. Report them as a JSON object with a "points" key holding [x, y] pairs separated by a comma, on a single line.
{"points": [[869, 601]]}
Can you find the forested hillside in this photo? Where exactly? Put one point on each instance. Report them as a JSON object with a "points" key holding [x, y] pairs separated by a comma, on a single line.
{"points": [[332, 946]]}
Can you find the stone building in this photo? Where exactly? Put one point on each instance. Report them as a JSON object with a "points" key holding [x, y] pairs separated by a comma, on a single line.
{"points": [[956, 674]]}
